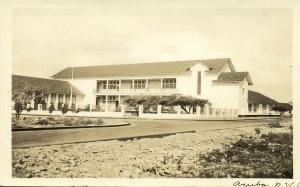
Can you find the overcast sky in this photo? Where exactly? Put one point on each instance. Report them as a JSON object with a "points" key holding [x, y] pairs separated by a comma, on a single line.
{"points": [[47, 40]]}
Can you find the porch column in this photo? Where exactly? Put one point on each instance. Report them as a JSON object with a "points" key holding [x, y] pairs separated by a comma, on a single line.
{"points": [[70, 103], [106, 104], [140, 110], [267, 109], [64, 99], [123, 110], [198, 110], [120, 86], [48, 101], [178, 110], [147, 83], [207, 111], [221, 112], [158, 109], [56, 102], [259, 108], [106, 84], [132, 81], [32, 103]]}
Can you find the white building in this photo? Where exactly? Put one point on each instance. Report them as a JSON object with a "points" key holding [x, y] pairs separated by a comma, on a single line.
{"points": [[212, 79]]}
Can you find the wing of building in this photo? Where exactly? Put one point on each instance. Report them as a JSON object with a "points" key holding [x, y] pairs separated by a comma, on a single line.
{"points": [[56, 92], [212, 79]]}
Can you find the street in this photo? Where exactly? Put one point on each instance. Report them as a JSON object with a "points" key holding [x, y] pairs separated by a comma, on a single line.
{"points": [[138, 127]]}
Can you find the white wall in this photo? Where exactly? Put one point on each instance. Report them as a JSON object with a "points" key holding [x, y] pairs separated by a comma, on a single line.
{"points": [[86, 86], [224, 95]]}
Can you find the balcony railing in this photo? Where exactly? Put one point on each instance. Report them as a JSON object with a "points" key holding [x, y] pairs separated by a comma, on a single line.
{"points": [[137, 91]]}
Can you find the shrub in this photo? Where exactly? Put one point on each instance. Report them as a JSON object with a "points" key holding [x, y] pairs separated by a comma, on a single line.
{"points": [[275, 124], [43, 122], [99, 121], [78, 110], [51, 108], [65, 109], [267, 157], [73, 108], [68, 122], [18, 108], [50, 118], [29, 109]]}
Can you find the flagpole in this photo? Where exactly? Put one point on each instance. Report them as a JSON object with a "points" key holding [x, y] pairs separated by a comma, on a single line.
{"points": [[71, 99]]}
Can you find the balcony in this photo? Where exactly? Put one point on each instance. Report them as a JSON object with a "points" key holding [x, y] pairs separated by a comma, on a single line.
{"points": [[135, 91]]}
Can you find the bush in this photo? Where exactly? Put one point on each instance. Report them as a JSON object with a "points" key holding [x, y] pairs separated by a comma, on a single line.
{"points": [[65, 109], [29, 109], [42, 121], [267, 157], [51, 108], [19, 109], [99, 121], [73, 108], [68, 122], [275, 124]]}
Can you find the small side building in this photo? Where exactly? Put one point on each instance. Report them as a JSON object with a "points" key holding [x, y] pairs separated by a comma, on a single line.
{"points": [[57, 92], [260, 105]]}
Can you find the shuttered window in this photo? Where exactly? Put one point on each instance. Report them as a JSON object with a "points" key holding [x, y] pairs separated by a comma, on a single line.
{"points": [[199, 83]]}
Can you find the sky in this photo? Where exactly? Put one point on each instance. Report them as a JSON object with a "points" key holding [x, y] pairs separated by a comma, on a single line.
{"points": [[47, 40]]}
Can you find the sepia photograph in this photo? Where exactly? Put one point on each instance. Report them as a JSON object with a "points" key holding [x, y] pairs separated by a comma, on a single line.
{"points": [[151, 90]]}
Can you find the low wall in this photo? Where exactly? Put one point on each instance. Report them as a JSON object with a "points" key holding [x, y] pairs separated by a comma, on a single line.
{"points": [[205, 113]]}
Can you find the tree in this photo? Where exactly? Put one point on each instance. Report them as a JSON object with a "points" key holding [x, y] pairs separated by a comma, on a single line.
{"points": [[281, 108], [21, 97], [187, 103]]}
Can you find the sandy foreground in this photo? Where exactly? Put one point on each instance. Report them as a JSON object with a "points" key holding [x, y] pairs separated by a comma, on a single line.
{"points": [[171, 156]]}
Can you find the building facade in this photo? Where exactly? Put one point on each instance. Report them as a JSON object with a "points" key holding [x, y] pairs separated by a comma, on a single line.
{"points": [[107, 86]]}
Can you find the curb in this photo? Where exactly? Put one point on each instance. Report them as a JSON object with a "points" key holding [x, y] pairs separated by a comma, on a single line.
{"points": [[131, 138], [79, 127]]}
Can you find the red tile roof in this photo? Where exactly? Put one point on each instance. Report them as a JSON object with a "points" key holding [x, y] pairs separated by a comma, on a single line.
{"points": [[47, 85], [142, 69], [234, 77]]}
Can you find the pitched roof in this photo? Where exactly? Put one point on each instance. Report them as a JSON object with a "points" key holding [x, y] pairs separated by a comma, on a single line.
{"points": [[47, 85], [258, 98], [234, 77], [142, 69]]}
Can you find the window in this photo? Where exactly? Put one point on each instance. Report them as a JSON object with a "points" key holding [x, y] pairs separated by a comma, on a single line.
{"points": [[250, 107], [111, 99], [243, 91], [169, 83], [264, 106], [139, 84], [255, 107], [199, 83], [113, 85]]}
